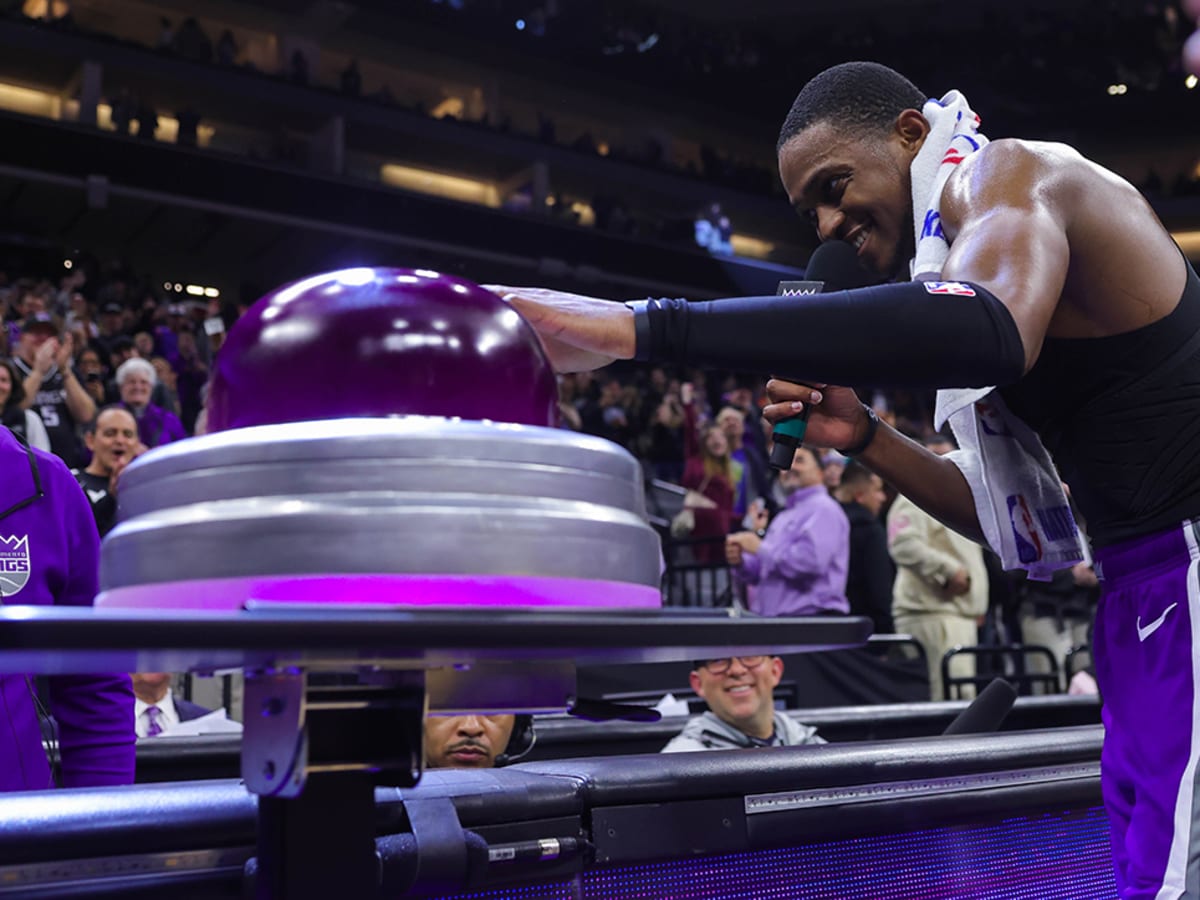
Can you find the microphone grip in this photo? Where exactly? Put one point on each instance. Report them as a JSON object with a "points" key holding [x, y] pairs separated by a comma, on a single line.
{"points": [[787, 437]]}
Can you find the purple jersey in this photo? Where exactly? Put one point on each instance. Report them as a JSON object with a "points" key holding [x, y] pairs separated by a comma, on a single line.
{"points": [[49, 555]]}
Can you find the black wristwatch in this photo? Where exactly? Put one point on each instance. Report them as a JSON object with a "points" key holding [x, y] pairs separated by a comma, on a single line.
{"points": [[872, 428]]}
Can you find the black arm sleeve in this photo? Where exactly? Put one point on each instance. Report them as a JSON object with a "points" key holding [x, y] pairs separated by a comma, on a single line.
{"points": [[892, 335]]}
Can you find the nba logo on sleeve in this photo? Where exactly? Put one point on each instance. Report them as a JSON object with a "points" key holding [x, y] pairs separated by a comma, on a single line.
{"points": [[957, 288], [14, 564]]}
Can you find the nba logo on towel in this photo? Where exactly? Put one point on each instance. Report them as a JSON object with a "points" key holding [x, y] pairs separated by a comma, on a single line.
{"points": [[14, 564], [932, 226], [1029, 544], [957, 288]]}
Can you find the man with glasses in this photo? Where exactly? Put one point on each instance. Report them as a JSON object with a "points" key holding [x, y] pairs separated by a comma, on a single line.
{"points": [[741, 713]]}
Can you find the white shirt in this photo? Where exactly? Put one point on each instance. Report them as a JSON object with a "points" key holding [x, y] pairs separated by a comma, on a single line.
{"points": [[168, 716], [35, 431]]}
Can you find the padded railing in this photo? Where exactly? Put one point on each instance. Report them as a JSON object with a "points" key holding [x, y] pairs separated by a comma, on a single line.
{"points": [[176, 839], [564, 737]]}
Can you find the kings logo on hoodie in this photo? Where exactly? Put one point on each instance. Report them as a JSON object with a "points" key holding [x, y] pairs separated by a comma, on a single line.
{"points": [[14, 564]]}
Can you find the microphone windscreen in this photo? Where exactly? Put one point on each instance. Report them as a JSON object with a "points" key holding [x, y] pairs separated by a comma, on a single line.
{"points": [[836, 264], [987, 711]]}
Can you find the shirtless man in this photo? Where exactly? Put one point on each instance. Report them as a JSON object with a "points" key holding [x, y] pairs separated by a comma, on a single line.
{"points": [[1069, 295]]}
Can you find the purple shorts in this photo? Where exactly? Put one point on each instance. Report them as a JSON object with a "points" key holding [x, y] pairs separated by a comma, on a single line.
{"points": [[1147, 654]]}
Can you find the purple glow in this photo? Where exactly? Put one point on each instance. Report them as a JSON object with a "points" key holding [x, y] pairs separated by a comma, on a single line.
{"points": [[381, 342], [510, 591], [1027, 857]]}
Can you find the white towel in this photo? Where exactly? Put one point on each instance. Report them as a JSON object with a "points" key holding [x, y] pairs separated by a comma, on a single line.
{"points": [[1019, 499], [953, 136]]}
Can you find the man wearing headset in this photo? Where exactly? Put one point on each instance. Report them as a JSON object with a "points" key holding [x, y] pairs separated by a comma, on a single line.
{"points": [[476, 741], [49, 554]]}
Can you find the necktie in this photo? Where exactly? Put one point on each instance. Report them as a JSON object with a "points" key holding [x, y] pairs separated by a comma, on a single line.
{"points": [[152, 713]]}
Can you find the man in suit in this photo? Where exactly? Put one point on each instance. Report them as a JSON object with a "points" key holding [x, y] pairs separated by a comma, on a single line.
{"points": [[156, 708]]}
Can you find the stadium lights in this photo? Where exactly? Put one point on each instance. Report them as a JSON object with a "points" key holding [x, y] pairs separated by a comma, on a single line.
{"points": [[1117, 89], [67, 264], [192, 290], [1190, 81]]}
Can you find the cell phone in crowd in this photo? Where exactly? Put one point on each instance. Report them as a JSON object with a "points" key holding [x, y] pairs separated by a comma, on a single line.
{"points": [[214, 325]]}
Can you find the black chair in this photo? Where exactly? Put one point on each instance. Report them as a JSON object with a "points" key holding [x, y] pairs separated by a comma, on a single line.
{"points": [[1008, 658], [1072, 663], [688, 583]]}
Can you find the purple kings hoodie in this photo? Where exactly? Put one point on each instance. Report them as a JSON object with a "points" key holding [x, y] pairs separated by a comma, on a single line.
{"points": [[49, 555]]}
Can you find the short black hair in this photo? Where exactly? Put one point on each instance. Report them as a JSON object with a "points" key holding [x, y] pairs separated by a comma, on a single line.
{"points": [[859, 95], [856, 472]]}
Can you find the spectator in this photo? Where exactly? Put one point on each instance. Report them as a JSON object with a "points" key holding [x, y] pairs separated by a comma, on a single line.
{"points": [[741, 713], [24, 423], [143, 343], [166, 35], [1057, 614], [466, 742], [50, 386], [112, 439], [147, 121], [156, 426], [798, 565], [192, 42], [79, 318], [941, 591], [189, 124], [91, 374], [49, 532], [833, 464], [168, 381], [122, 349], [156, 708], [568, 415], [711, 473], [664, 450], [109, 328], [123, 109], [871, 572], [226, 49], [618, 426], [753, 468]]}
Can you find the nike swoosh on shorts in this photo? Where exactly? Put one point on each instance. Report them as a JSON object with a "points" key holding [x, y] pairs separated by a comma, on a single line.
{"points": [[1144, 633]]}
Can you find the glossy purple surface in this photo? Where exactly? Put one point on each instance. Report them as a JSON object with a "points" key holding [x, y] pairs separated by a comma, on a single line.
{"points": [[380, 342], [510, 591]]}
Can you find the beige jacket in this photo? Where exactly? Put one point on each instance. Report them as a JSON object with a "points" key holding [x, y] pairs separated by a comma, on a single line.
{"points": [[927, 554]]}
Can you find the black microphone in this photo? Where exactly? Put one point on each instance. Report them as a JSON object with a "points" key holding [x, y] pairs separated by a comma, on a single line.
{"points": [[987, 711], [832, 267]]}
